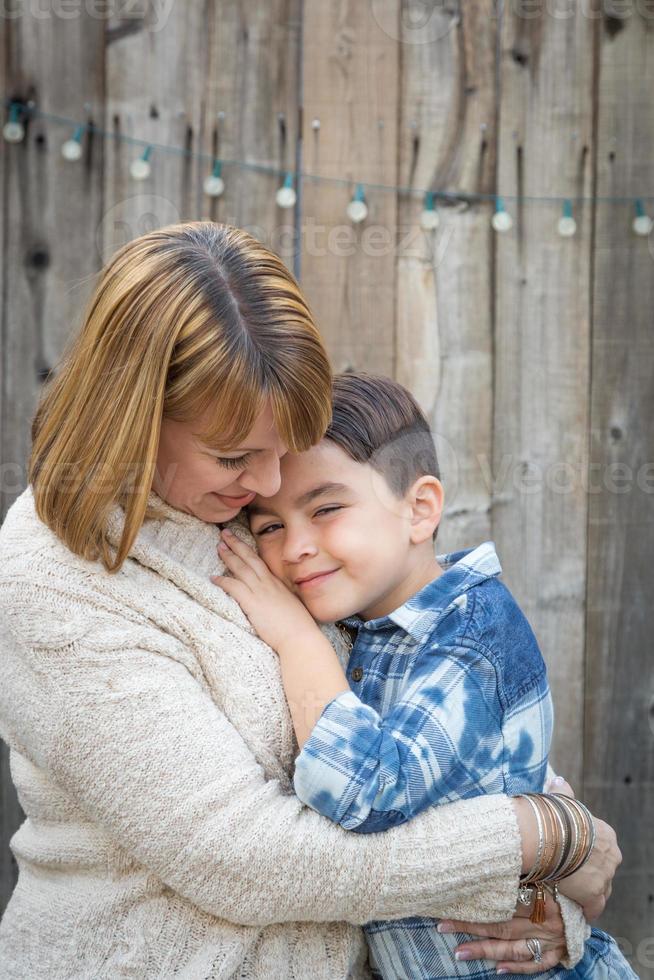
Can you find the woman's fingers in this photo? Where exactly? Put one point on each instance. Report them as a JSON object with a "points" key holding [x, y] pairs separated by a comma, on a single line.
{"points": [[548, 961], [511, 953], [513, 956], [516, 929]]}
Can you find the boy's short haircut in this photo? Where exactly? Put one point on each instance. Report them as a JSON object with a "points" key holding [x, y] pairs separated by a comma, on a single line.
{"points": [[375, 420]]}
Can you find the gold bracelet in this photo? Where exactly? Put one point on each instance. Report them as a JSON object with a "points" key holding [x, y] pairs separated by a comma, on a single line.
{"points": [[584, 820]]}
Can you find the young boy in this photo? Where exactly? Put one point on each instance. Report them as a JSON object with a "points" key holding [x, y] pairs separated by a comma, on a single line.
{"points": [[445, 694]]}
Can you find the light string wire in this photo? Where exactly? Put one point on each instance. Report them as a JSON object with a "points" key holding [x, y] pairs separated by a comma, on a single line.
{"points": [[430, 195]]}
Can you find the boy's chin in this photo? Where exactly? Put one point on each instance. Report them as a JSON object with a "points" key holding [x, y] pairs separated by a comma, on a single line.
{"points": [[324, 615]]}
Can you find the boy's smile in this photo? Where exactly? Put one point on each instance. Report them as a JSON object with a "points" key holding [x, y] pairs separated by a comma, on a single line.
{"points": [[338, 537]]}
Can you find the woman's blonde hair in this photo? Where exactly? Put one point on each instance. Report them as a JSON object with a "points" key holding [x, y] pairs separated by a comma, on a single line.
{"points": [[192, 318]]}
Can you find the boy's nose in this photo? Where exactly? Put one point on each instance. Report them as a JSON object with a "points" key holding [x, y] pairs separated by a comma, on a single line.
{"points": [[298, 548]]}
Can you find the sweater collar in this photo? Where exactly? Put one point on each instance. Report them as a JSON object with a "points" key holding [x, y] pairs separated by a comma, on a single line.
{"points": [[183, 549]]}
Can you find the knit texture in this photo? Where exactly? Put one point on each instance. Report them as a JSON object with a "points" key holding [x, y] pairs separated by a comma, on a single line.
{"points": [[152, 750]]}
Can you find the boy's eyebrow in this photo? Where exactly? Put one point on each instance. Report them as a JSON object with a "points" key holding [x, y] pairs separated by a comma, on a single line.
{"points": [[305, 498]]}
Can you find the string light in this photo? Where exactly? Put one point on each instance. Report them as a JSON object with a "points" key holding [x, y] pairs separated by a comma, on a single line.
{"points": [[140, 168], [72, 148], [501, 220], [286, 196], [567, 225], [642, 223], [429, 219], [357, 209], [214, 185], [13, 130]]}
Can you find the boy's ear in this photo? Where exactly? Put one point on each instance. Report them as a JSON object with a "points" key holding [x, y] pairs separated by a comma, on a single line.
{"points": [[426, 498]]}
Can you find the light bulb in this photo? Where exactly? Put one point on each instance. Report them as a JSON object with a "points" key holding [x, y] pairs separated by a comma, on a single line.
{"points": [[71, 150], [502, 221], [140, 169], [429, 219], [643, 225], [567, 226], [214, 186], [286, 196], [357, 211], [13, 130]]}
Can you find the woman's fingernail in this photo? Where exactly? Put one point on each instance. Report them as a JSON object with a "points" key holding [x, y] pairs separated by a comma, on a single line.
{"points": [[226, 531], [503, 970], [463, 954], [444, 927], [558, 781]]}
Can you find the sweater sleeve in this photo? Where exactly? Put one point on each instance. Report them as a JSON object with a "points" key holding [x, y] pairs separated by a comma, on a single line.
{"points": [[135, 739]]}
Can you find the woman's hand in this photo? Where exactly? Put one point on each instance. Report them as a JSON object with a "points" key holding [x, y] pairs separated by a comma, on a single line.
{"points": [[273, 610], [591, 886], [505, 942]]}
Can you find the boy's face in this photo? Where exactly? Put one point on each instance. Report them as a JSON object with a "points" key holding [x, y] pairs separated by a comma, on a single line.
{"points": [[335, 534]]}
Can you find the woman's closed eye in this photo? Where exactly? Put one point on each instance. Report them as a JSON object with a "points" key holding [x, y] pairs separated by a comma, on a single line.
{"points": [[234, 462]]}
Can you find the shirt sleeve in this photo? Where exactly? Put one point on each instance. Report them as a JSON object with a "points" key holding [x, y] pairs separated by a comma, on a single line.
{"points": [[441, 741]]}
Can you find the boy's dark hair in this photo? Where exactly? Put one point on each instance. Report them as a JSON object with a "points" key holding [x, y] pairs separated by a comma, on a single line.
{"points": [[375, 420]]}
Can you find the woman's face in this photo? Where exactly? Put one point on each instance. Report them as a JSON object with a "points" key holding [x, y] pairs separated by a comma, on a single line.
{"points": [[212, 485]]}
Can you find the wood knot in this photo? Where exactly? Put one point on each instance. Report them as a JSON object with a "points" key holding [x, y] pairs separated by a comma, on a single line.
{"points": [[38, 257], [520, 57]]}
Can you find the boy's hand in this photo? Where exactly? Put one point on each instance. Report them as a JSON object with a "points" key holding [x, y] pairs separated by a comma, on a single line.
{"points": [[273, 610]]}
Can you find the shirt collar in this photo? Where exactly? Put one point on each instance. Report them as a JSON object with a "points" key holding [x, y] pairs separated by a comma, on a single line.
{"points": [[461, 571]]}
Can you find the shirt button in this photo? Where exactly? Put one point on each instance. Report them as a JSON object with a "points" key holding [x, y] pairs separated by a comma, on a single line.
{"points": [[357, 673]]}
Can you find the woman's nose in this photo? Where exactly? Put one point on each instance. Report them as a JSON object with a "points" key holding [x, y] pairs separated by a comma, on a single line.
{"points": [[264, 476]]}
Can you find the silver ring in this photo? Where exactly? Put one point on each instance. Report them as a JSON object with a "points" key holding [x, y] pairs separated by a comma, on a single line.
{"points": [[533, 945]]}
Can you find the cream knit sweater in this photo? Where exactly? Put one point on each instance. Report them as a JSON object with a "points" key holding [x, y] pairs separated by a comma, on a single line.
{"points": [[152, 751]]}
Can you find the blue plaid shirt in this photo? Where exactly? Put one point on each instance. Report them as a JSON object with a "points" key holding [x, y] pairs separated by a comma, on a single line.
{"points": [[449, 699]]}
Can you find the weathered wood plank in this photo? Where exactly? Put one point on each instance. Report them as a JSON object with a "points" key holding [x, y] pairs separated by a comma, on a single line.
{"points": [[251, 110], [153, 93], [444, 295], [542, 347], [222, 82], [51, 212], [619, 731], [350, 80]]}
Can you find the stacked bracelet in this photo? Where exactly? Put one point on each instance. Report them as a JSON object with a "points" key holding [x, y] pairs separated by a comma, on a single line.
{"points": [[566, 837]]}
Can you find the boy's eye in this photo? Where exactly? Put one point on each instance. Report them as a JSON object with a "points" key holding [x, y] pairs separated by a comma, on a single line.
{"points": [[273, 527], [233, 463], [267, 529]]}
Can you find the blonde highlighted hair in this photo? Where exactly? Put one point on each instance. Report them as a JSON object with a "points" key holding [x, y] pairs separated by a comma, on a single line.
{"points": [[189, 319]]}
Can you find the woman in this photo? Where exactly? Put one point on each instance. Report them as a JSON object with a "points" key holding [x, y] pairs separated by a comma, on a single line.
{"points": [[151, 745]]}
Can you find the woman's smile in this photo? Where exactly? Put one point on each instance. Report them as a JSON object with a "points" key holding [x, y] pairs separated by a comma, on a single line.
{"points": [[242, 501]]}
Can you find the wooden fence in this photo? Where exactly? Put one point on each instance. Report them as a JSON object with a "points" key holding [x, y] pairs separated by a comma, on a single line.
{"points": [[532, 353]]}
